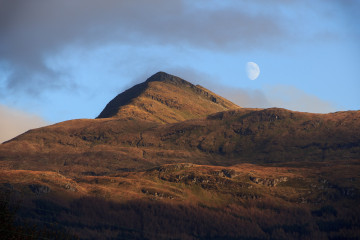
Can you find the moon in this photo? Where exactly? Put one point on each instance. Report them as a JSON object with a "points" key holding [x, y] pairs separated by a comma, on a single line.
{"points": [[252, 70]]}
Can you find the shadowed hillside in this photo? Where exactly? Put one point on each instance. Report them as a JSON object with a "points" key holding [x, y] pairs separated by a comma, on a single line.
{"points": [[170, 160], [187, 201]]}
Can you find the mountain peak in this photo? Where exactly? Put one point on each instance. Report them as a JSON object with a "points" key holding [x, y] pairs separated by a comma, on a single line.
{"points": [[165, 77], [165, 98], [160, 76]]}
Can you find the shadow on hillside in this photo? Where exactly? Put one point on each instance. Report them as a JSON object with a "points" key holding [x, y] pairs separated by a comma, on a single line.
{"points": [[97, 218]]}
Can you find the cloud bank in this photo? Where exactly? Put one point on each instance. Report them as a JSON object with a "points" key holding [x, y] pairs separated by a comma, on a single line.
{"points": [[34, 33], [31, 31], [281, 96], [14, 122], [290, 97]]}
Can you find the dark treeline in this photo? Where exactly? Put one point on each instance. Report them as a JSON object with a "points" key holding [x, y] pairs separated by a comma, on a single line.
{"points": [[97, 218], [13, 226]]}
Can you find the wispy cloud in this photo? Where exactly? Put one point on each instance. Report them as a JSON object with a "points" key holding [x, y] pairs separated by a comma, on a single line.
{"points": [[293, 98], [14, 122], [282, 96]]}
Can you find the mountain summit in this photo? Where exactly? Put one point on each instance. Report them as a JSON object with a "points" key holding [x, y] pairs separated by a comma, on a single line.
{"points": [[169, 120], [165, 98], [242, 173]]}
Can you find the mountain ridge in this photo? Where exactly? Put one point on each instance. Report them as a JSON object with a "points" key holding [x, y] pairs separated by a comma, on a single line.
{"points": [[148, 130], [165, 98], [107, 146], [172, 163]]}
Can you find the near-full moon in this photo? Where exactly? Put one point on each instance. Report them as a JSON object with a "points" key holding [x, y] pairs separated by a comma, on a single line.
{"points": [[252, 70]]}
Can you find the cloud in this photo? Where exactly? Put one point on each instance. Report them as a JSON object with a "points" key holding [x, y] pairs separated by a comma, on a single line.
{"points": [[240, 96], [14, 122], [293, 98], [31, 31], [281, 96]]}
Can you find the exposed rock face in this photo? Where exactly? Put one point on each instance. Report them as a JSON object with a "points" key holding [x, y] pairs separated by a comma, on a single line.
{"points": [[268, 181], [228, 173], [39, 189], [174, 167], [70, 187], [157, 194]]}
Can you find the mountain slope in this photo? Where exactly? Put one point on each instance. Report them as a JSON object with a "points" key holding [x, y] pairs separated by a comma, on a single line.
{"points": [[187, 201], [169, 160], [104, 146], [165, 98], [143, 127]]}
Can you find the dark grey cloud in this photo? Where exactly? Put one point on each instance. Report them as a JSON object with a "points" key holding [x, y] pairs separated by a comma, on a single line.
{"points": [[32, 31]]}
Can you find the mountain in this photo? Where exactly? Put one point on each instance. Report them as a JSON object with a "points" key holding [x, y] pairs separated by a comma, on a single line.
{"points": [[170, 160], [109, 145], [165, 98]]}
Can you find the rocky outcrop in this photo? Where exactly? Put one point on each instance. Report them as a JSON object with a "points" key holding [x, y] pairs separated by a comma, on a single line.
{"points": [[229, 173], [269, 182], [156, 194], [39, 189], [173, 167]]}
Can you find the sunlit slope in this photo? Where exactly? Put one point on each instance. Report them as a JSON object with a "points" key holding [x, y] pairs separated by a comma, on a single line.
{"points": [[187, 201], [226, 138], [165, 98]]}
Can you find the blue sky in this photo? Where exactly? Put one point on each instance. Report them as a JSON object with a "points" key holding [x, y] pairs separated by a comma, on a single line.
{"points": [[61, 60]]}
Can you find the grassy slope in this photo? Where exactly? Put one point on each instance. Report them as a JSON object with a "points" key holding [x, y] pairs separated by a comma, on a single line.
{"points": [[164, 98], [120, 176], [198, 202], [103, 146]]}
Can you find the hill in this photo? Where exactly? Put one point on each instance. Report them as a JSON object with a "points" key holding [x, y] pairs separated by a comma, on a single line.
{"points": [[109, 145], [187, 201], [170, 160], [165, 98]]}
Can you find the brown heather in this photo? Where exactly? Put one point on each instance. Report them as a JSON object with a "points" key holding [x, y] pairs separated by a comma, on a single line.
{"points": [[170, 160]]}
